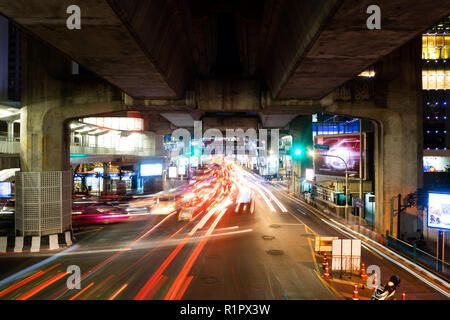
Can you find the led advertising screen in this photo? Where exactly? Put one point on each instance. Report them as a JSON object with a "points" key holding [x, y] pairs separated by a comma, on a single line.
{"points": [[151, 169], [435, 164], [345, 147], [5, 189], [438, 211]]}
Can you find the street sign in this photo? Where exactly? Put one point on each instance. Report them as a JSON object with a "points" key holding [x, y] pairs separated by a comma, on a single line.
{"points": [[358, 203], [321, 147]]}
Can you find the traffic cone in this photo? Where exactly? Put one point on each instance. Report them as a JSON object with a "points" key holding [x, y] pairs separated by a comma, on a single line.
{"points": [[375, 282], [325, 261], [404, 296], [363, 272], [326, 274], [355, 293]]}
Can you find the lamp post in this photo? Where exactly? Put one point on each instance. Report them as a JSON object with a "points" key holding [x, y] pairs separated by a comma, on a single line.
{"points": [[346, 180]]}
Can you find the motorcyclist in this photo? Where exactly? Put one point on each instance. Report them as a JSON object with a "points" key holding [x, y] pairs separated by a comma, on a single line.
{"points": [[393, 283]]}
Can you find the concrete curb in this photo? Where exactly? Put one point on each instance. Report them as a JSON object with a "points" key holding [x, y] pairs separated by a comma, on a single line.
{"points": [[36, 243]]}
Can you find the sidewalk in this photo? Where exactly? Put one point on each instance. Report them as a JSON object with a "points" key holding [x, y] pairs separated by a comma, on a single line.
{"points": [[378, 243]]}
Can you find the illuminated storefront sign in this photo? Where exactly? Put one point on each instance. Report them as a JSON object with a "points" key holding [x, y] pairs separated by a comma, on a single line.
{"points": [[172, 172], [310, 175], [438, 211], [345, 147], [151, 169], [436, 164]]}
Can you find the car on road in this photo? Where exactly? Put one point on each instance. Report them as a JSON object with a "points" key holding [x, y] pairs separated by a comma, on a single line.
{"points": [[245, 203], [186, 214]]}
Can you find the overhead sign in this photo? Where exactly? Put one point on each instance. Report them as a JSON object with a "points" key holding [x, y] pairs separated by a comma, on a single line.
{"points": [[151, 169], [322, 147], [438, 211]]}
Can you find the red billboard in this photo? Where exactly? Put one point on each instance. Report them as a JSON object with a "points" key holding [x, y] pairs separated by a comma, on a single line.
{"points": [[342, 148]]}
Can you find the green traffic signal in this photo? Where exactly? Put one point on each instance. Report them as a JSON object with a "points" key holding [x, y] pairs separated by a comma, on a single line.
{"points": [[298, 152]]}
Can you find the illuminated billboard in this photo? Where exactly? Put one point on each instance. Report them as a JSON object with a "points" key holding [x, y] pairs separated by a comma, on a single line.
{"points": [[342, 148], [151, 169], [438, 211], [436, 164], [5, 189]]}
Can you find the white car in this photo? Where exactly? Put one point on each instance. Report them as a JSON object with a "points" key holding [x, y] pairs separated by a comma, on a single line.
{"points": [[186, 214]]}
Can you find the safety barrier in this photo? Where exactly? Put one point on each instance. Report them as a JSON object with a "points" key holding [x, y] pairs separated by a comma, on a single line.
{"points": [[418, 256]]}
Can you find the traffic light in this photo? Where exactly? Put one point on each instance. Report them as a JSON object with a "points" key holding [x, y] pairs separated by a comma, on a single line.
{"points": [[297, 152], [195, 151]]}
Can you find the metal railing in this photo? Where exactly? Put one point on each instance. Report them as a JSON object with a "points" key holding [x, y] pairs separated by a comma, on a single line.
{"points": [[418, 256]]}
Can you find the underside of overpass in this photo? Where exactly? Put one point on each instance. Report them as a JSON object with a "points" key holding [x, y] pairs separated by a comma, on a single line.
{"points": [[248, 63]]}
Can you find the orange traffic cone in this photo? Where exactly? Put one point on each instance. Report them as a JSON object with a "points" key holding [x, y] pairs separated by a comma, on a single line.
{"points": [[325, 261], [326, 274], [355, 293], [363, 272], [404, 296], [375, 282]]}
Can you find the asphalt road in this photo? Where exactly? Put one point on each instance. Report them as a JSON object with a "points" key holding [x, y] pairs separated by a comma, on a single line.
{"points": [[265, 255]]}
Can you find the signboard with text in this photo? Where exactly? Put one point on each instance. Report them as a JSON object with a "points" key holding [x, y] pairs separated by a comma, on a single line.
{"points": [[438, 211]]}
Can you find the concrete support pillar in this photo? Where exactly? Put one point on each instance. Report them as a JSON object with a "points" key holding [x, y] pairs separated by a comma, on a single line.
{"points": [[397, 114], [10, 130], [106, 180], [400, 159], [50, 98]]}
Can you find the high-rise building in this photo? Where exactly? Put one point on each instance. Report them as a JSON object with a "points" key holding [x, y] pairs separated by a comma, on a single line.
{"points": [[436, 98]]}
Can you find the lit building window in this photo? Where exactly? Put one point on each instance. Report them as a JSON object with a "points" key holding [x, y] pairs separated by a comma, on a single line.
{"points": [[367, 73], [436, 79], [435, 47], [124, 124]]}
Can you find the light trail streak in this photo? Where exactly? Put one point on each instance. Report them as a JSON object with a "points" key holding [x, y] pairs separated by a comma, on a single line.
{"points": [[118, 292], [42, 286], [146, 289], [81, 291], [93, 270], [37, 265], [98, 287], [447, 294], [181, 278], [26, 280]]}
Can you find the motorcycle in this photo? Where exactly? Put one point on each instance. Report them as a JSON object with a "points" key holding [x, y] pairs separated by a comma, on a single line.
{"points": [[387, 291]]}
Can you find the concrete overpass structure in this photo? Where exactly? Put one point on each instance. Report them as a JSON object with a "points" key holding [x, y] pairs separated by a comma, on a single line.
{"points": [[185, 60]]}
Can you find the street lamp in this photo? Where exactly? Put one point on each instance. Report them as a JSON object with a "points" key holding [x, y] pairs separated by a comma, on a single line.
{"points": [[346, 180]]}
